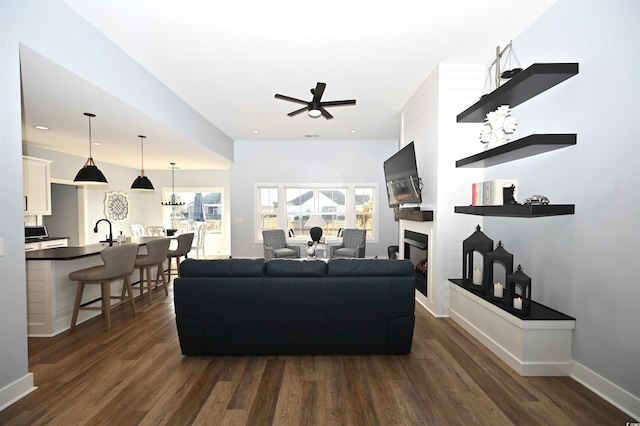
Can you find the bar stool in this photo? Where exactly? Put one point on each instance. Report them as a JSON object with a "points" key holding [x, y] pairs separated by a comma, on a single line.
{"points": [[157, 251], [184, 246], [118, 262]]}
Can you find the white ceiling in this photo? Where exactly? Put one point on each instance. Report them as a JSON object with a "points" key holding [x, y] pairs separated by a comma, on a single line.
{"points": [[228, 60]]}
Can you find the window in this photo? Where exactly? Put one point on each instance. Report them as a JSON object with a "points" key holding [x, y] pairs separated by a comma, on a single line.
{"points": [[328, 203], [200, 205], [364, 208], [289, 207], [268, 202]]}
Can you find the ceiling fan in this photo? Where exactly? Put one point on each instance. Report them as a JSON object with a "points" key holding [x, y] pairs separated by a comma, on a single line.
{"points": [[316, 107]]}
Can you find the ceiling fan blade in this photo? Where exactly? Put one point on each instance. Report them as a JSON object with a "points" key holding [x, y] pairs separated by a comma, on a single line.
{"points": [[318, 91], [338, 103], [298, 111], [325, 113], [290, 99]]}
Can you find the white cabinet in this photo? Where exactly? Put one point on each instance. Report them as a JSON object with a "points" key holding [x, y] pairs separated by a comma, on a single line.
{"points": [[40, 245], [63, 242], [36, 182], [31, 246]]}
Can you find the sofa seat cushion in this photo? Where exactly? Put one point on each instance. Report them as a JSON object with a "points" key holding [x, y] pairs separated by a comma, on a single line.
{"points": [[346, 252], [284, 252]]}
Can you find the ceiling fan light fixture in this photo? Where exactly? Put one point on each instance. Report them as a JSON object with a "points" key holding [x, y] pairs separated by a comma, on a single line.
{"points": [[314, 109], [315, 113], [142, 183], [89, 174]]}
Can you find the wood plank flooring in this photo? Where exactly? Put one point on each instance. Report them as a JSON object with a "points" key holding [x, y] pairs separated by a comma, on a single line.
{"points": [[136, 375]]}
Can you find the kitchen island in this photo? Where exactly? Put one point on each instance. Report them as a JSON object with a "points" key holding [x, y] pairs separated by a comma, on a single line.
{"points": [[50, 293]]}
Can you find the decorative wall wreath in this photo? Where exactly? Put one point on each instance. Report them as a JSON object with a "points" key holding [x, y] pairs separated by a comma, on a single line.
{"points": [[116, 206]]}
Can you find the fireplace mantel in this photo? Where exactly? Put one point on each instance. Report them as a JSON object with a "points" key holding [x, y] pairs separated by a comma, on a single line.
{"points": [[415, 215]]}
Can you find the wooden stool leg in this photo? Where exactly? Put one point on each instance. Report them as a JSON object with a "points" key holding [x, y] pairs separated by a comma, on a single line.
{"points": [[148, 268], [141, 280], [127, 286], [106, 303], [160, 275], [76, 305]]}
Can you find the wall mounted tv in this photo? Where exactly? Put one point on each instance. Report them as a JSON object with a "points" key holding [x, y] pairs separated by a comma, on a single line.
{"points": [[401, 176]]}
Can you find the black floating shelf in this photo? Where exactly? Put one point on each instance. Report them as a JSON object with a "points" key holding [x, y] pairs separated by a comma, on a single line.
{"points": [[521, 148], [531, 82], [519, 210]]}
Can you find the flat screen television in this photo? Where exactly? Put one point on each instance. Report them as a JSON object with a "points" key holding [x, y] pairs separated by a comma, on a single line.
{"points": [[401, 176]]}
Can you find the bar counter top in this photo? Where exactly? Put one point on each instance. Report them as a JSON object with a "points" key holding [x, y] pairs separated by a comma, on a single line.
{"points": [[70, 253]]}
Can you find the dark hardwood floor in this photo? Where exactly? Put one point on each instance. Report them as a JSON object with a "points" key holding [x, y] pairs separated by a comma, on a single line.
{"points": [[136, 375]]}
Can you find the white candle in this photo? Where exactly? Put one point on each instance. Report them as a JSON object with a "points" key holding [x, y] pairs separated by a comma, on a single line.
{"points": [[517, 303], [477, 276], [497, 289]]}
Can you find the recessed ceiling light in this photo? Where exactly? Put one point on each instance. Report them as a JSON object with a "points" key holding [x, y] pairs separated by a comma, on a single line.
{"points": [[353, 131], [255, 131], [94, 143], [39, 127]]}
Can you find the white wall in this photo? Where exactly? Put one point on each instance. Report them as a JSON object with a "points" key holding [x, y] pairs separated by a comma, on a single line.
{"points": [[58, 33], [585, 265], [429, 121], [306, 162]]}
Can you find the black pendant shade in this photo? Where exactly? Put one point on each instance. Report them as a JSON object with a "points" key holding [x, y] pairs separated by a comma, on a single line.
{"points": [[89, 174], [142, 182]]}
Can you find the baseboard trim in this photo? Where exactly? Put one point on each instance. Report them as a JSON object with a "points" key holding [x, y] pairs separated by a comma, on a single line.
{"points": [[16, 390], [421, 303], [607, 390]]}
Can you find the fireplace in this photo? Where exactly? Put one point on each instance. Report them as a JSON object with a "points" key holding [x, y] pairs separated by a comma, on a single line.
{"points": [[416, 250]]}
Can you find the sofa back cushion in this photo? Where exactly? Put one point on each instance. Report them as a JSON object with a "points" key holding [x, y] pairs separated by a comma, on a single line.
{"points": [[296, 268], [222, 268]]}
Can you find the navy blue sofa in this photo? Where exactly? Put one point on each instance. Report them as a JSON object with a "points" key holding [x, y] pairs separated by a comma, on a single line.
{"points": [[280, 307]]}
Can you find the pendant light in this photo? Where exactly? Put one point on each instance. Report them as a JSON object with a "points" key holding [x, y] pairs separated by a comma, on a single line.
{"points": [[172, 201], [89, 174], [142, 182]]}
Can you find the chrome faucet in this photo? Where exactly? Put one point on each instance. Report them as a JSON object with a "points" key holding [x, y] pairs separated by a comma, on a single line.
{"points": [[95, 229]]}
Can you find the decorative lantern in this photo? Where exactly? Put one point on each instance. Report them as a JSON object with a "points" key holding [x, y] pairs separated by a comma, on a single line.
{"points": [[519, 292], [504, 258], [472, 277]]}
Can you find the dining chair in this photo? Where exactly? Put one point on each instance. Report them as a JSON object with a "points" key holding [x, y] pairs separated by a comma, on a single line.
{"points": [[156, 231], [137, 230], [199, 238]]}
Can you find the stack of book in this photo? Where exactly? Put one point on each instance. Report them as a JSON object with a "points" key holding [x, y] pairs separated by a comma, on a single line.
{"points": [[490, 193]]}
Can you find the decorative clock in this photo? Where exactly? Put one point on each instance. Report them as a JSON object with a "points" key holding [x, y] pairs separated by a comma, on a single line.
{"points": [[116, 206]]}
